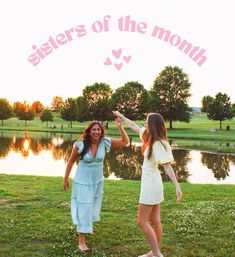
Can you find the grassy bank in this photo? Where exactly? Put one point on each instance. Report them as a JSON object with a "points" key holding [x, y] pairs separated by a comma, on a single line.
{"points": [[198, 134], [198, 128], [35, 220]]}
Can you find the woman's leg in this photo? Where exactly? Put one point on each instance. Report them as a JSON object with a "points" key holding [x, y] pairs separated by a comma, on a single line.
{"points": [[156, 222], [82, 242], [144, 212]]}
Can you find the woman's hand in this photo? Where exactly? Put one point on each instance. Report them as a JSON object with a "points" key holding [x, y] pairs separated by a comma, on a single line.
{"points": [[117, 114], [66, 184], [179, 195], [118, 122], [131, 124]]}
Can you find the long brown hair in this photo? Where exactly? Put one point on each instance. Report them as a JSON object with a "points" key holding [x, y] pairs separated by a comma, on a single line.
{"points": [[155, 130], [86, 136]]}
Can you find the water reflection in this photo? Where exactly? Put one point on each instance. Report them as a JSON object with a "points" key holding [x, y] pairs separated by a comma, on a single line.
{"points": [[218, 163], [5, 146], [59, 146], [47, 154], [125, 162], [182, 157]]}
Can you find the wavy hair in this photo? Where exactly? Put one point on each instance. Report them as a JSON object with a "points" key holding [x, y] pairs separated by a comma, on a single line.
{"points": [[86, 137], [155, 131]]}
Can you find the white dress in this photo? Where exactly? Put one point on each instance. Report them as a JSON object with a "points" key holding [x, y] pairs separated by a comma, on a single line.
{"points": [[151, 191]]}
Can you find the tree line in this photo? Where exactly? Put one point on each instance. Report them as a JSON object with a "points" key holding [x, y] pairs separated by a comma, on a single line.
{"points": [[169, 96]]}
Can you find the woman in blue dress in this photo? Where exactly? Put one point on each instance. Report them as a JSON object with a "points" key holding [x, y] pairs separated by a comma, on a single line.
{"points": [[87, 187]]}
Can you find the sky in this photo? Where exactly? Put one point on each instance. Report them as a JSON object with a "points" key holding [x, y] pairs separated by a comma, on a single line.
{"points": [[83, 43]]}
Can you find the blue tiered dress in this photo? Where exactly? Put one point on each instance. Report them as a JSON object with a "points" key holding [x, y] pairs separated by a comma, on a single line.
{"points": [[87, 187]]}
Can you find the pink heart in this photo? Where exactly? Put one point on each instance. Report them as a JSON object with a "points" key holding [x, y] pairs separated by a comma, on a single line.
{"points": [[118, 66], [107, 61], [127, 58], [117, 53]]}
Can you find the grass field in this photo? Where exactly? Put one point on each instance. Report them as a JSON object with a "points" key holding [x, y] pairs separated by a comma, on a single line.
{"points": [[198, 129], [36, 222]]}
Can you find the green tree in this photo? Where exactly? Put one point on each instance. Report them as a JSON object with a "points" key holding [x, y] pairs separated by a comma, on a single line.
{"points": [[170, 94], [24, 111], [206, 101], [131, 100], [233, 109], [220, 108], [17, 108], [69, 110], [82, 109], [37, 106], [97, 97], [57, 104], [46, 116], [6, 110]]}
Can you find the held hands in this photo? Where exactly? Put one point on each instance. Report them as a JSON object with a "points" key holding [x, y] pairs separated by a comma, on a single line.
{"points": [[66, 184], [118, 118], [118, 122], [117, 114]]}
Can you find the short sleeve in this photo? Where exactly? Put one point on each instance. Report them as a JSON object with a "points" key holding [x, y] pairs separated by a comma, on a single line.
{"points": [[141, 131], [107, 143], [162, 153], [80, 146]]}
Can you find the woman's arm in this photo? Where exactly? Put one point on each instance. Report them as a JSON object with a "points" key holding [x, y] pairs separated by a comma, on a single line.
{"points": [[69, 166], [131, 124], [170, 172], [116, 143]]}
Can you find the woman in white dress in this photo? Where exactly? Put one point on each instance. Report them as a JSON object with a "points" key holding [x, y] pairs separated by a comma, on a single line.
{"points": [[156, 151]]}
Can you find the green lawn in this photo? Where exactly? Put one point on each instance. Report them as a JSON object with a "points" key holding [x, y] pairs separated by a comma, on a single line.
{"points": [[185, 134], [35, 220]]}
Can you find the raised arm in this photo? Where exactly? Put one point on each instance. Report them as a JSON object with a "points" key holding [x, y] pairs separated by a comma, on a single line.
{"points": [[131, 124], [116, 143], [170, 172], [69, 166]]}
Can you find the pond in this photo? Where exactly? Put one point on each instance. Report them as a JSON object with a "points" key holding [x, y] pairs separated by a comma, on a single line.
{"points": [[46, 154]]}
